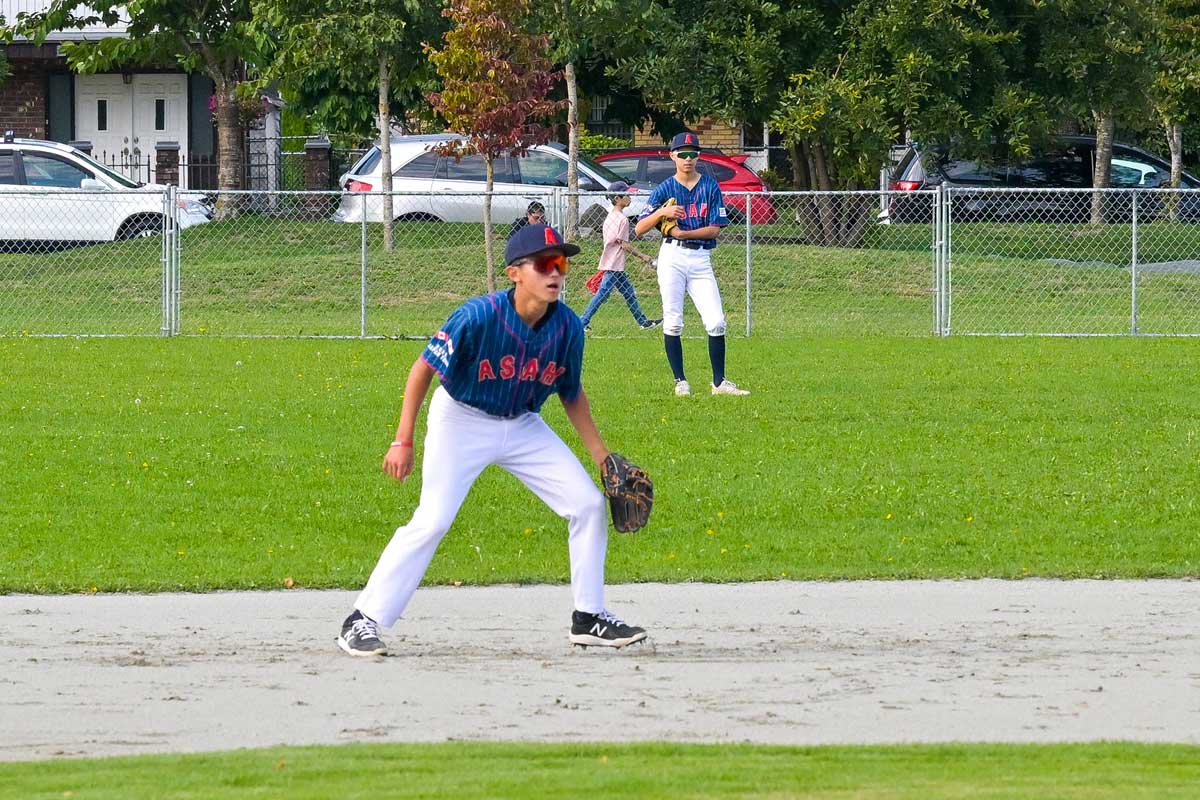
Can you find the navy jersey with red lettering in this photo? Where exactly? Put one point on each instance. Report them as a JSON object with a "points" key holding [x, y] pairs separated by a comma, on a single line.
{"points": [[703, 205], [488, 358]]}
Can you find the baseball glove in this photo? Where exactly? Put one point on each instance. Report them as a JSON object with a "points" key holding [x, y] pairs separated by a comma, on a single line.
{"points": [[667, 224], [630, 493]]}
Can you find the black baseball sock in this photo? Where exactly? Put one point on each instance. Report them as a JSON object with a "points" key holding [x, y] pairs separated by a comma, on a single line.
{"points": [[674, 346], [716, 354]]}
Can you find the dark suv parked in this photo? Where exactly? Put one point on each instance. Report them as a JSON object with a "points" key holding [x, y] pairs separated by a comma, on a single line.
{"points": [[1069, 165]]}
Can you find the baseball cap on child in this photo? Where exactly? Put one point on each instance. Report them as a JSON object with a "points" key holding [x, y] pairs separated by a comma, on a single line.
{"points": [[685, 139], [534, 238], [618, 187]]}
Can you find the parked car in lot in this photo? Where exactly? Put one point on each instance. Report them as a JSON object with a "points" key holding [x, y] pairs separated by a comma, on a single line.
{"points": [[1069, 165], [650, 166], [517, 181], [56, 194]]}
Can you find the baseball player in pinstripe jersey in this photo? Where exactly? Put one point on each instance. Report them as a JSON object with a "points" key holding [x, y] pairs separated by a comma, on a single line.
{"points": [[685, 259], [498, 357]]}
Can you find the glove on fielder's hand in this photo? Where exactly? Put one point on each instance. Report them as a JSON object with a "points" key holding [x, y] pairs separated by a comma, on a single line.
{"points": [[630, 493], [667, 224]]}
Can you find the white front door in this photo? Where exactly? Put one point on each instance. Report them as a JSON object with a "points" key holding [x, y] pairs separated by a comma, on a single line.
{"points": [[104, 117], [124, 121]]}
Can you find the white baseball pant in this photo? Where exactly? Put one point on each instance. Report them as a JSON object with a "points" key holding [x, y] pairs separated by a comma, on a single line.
{"points": [[460, 441], [683, 271]]}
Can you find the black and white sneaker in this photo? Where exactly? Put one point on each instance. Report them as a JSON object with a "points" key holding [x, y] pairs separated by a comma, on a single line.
{"points": [[603, 630], [650, 323], [360, 636]]}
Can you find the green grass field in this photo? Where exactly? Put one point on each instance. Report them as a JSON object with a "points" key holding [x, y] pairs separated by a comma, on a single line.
{"points": [[266, 275], [486, 771], [200, 463]]}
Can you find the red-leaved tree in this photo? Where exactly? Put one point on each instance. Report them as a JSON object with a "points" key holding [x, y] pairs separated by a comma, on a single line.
{"points": [[495, 81]]}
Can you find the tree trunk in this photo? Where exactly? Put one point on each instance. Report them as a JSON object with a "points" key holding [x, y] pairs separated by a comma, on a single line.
{"points": [[826, 207], [572, 227], [487, 223], [230, 165], [800, 177], [806, 212], [385, 146], [1175, 144], [1102, 169]]}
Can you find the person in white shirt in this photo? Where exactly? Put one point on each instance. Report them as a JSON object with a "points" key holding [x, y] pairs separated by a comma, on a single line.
{"points": [[612, 261]]}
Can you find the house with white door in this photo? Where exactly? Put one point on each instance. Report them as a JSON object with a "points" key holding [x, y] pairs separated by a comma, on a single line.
{"points": [[123, 115]]}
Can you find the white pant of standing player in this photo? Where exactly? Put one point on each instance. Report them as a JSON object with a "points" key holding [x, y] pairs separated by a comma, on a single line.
{"points": [[460, 442], [683, 271]]}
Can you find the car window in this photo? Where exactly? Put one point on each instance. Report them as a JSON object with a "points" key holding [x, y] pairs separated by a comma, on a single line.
{"points": [[659, 168], [368, 163], [46, 170], [467, 168], [473, 168], [8, 167], [423, 166], [1136, 173], [542, 169], [720, 172], [975, 172], [1065, 169], [627, 167]]}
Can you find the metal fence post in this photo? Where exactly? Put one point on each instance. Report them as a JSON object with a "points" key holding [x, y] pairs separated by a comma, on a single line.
{"points": [[362, 264], [749, 237], [947, 260], [935, 235], [165, 259], [177, 258], [1133, 265]]}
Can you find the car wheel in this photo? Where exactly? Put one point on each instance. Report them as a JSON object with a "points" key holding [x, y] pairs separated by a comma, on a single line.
{"points": [[418, 217], [140, 227]]}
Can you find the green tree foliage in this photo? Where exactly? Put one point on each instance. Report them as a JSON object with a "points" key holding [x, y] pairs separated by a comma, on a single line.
{"points": [[728, 59], [324, 55], [369, 49], [1175, 50], [496, 82], [210, 36], [1096, 58]]}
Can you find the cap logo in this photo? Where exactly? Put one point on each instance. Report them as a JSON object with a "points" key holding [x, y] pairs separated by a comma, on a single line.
{"points": [[689, 139], [550, 237]]}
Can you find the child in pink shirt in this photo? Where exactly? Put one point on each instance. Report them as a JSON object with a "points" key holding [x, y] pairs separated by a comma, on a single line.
{"points": [[612, 261]]}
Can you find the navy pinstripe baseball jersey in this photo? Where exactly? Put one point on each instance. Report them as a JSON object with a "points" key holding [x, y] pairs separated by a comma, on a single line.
{"points": [[488, 358], [703, 205]]}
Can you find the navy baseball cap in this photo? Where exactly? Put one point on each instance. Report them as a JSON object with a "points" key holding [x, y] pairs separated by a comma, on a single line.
{"points": [[618, 187], [685, 139], [534, 238]]}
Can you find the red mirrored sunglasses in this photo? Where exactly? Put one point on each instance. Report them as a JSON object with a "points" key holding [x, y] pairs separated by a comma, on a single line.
{"points": [[548, 261]]}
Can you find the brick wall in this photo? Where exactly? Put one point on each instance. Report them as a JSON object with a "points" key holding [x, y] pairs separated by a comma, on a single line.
{"points": [[711, 132], [23, 99]]}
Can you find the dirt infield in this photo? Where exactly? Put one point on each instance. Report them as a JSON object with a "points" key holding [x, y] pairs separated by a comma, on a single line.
{"points": [[780, 662]]}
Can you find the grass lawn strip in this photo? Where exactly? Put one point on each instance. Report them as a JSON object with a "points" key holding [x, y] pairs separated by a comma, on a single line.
{"points": [[199, 464], [1113, 771]]}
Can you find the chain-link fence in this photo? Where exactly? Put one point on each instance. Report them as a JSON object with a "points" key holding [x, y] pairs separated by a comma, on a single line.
{"points": [[1073, 261], [790, 263]]}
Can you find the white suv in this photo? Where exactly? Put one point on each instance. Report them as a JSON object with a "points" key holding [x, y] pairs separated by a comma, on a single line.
{"points": [[518, 181], [51, 192]]}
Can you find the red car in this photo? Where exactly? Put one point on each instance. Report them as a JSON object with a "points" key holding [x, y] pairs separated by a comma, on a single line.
{"points": [[649, 166]]}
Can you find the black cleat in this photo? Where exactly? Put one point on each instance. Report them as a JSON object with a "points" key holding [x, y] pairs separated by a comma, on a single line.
{"points": [[360, 636], [603, 630]]}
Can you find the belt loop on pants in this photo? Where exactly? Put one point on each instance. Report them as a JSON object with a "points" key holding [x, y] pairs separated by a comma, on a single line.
{"points": [[683, 244]]}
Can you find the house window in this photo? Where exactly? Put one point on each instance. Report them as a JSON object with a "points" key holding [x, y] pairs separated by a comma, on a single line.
{"points": [[599, 110], [160, 114], [101, 115]]}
